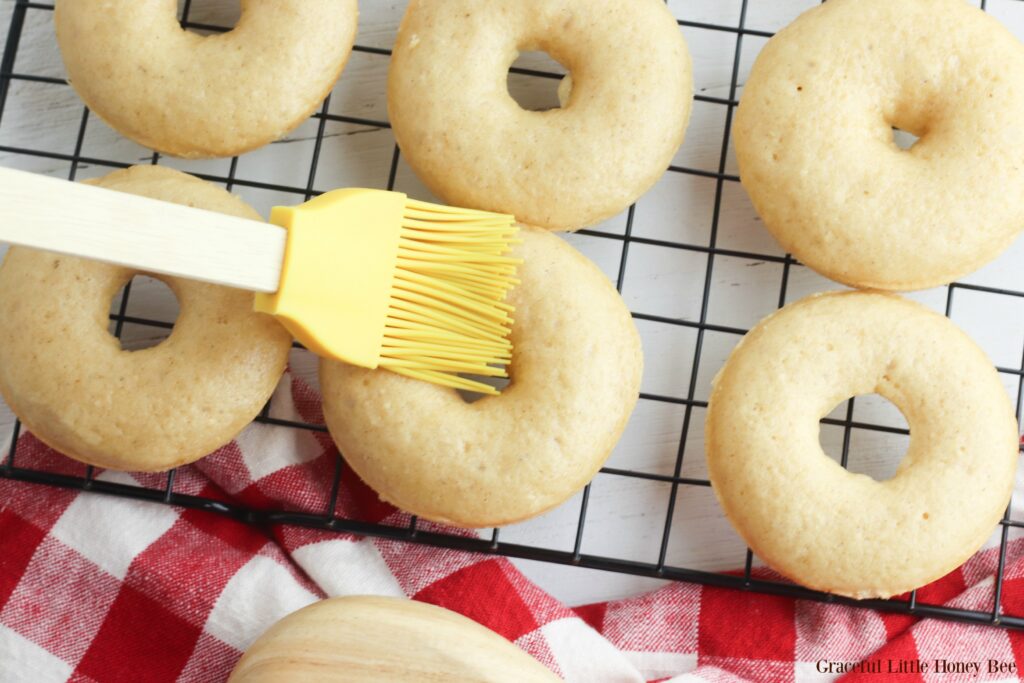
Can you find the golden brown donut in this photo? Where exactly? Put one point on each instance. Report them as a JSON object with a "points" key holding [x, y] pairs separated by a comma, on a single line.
{"points": [[192, 96], [816, 153], [621, 121], [68, 380], [575, 373], [840, 531]]}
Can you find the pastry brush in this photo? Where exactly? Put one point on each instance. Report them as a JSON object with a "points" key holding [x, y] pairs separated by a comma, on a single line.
{"points": [[369, 277]]}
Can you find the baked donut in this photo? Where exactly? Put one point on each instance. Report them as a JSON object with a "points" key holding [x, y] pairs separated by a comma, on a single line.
{"points": [[353, 639], [831, 529], [72, 385], [575, 373], [621, 120], [815, 145], [196, 96]]}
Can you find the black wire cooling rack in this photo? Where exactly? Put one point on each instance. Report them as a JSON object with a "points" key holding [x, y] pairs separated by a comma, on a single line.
{"points": [[327, 519]]}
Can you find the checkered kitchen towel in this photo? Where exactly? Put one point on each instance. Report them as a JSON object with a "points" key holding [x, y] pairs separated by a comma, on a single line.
{"points": [[94, 588]]}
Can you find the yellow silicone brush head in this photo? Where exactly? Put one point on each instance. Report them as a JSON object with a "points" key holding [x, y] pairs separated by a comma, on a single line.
{"points": [[447, 314], [378, 280]]}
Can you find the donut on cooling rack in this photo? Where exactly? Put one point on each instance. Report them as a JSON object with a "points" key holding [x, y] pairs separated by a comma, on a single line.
{"points": [[575, 372], [623, 114], [816, 151], [196, 96], [814, 521], [74, 387]]}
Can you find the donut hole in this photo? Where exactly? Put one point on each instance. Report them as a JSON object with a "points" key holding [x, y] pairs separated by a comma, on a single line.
{"points": [[534, 79], [213, 16], [875, 444], [143, 313], [904, 139], [499, 383]]}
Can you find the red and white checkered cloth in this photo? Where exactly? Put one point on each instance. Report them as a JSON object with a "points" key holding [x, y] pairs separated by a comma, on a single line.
{"points": [[95, 588]]}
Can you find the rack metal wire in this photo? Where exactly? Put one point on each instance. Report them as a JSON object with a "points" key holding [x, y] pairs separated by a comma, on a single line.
{"points": [[679, 484]]}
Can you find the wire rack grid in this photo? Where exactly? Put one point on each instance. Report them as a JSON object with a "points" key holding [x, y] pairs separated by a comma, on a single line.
{"points": [[12, 71]]}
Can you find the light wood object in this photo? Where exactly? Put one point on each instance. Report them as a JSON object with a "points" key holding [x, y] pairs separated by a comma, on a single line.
{"points": [[132, 231], [364, 639]]}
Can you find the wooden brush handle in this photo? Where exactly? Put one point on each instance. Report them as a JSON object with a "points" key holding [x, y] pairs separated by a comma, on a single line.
{"points": [[138, 232]]}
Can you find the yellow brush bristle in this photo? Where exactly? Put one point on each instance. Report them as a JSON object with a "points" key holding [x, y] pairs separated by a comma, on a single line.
{"points": [[447, 314]]}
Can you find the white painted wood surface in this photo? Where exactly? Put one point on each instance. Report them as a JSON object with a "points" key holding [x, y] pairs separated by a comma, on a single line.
{"points": [[626, 516]]}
